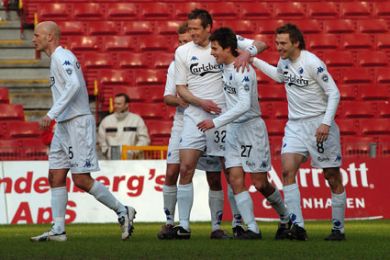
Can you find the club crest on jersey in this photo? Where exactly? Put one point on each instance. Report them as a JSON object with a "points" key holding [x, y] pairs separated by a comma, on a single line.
{"points": [[69, 71], [67, 63], [246, 87], [230, 77], [325, 78], [240, 38], [300, 70], [78, 65], [194, 58]]}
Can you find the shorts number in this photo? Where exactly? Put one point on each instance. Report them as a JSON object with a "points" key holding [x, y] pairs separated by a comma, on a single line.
{"points": [[320, 147], [246, 150], [220, 136], [70, 152]]}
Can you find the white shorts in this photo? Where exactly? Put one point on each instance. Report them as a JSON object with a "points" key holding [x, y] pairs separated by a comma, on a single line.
{"points": [[205, 163], [212, 142], [299, 137], [247, 146], [74, 145]]}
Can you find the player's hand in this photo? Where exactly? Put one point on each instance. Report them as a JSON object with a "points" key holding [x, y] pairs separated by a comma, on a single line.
{"points": [[242, 61], [45, 122], [182, 102], [206, 125], [322, 133], [210, 106]]}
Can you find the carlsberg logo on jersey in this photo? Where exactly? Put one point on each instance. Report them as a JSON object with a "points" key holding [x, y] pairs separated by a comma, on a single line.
{"points": [[294, 80], [203, 69]]}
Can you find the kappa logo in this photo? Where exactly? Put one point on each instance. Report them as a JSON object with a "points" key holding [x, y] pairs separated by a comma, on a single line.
{"points": [[67, 63], [320, 70], [338, 158], [246, 79], [194, 58]]}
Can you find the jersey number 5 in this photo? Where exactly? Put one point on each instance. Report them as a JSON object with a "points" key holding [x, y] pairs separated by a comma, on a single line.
{"points": [[70, 152]]}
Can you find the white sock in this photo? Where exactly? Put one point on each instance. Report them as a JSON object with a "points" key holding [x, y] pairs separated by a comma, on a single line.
{"points": [[102, 194], [237, 219], [276, 201], [292, 197], [59, 199], [185, 199], [169, 194], [245, 206], [338, 210], [216, 208]]}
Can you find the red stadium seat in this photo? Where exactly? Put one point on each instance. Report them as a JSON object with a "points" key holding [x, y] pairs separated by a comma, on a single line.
{"points": [[254, 10], [137, 27], [97, 60], [372, 92], [372, 58], [268, 26], [171, 111], [4, 95], [374, 126], [87, 11], [162, 60], [19, 129], [384, 109], [150, 77], [34, 149], [289, 9], [155, 10], [339, 26], [270, 57], [159, 128], [11, 112], [136, 94], [54, 11], [156, 94], [384, 148], [117, 77], [280, 111], [323, 41], [102, 28], [84, 43], [119, 43], [272, 93], [71, 28], [348, 92], [383, 41], [148, 110], [276, 143], [322, 9], [156, 43], [355, 75], [10, 149], [275, 127], [357, 41], [356, 145], [382, 9], [308, 26], [373, 26], [121, 11], [348, 126], [266, 109], [225, 10], [383, 75], [131, 60], [338, 58], [241, 26], [183, 9], [355, 9], [356, 109], [168, 27]]}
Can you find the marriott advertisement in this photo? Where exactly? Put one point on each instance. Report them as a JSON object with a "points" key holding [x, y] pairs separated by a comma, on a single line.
{"points": [[25, 192]]}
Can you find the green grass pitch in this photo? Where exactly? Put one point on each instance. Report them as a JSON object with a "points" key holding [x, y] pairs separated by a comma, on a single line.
{"points": [[365, 240]]}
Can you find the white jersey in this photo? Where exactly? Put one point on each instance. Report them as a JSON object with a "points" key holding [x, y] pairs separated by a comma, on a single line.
{"points": [[170, 89], [70, 96], [311, 90], [198, 69], [241, 96]]}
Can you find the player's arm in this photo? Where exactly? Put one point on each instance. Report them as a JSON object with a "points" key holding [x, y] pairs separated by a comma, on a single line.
{"points": [[143, 138], [249, 48], [321, 75], [206, 104], [241, 107], [72, 86], [268, 69], [170, 96]]}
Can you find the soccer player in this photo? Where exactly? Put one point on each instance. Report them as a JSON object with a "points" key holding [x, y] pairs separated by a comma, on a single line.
{"points": [[247, 146], [74, 143], [198, 81], [209, 164], [313, 98]]}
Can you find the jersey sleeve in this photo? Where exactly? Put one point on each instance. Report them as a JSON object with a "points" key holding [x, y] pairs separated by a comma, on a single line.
{"points": [[243, 104], [269, 70], [170, 87], [243, 43], [320, 74], [66, 70], [180, 67]]}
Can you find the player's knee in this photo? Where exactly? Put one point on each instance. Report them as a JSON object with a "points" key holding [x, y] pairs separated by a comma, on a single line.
{"points": [[55, 180], [288, 176], [82, 183], [171, 178]]}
